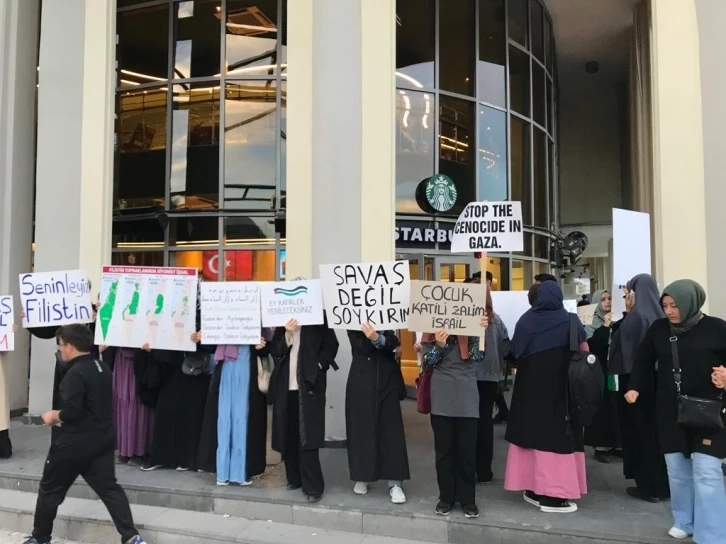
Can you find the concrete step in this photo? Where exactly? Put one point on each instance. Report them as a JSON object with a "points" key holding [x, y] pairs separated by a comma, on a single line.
{"points": [[88, 521], [15, 537]]}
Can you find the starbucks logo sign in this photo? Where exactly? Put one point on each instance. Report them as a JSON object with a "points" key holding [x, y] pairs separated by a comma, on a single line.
{"points": [[441, 193]]}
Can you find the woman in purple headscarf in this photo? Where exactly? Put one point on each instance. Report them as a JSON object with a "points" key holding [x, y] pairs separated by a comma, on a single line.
{"points": [[546, 456]]}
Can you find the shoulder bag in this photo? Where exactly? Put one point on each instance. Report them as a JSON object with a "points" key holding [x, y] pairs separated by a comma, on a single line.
{"points": [[695, 412]]}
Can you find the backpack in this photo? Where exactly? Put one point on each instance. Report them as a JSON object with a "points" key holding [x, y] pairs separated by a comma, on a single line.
{"points": [[585, 381]]}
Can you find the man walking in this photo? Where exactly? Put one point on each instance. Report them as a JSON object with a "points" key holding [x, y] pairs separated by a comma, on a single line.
{"points": [[85, 442]]}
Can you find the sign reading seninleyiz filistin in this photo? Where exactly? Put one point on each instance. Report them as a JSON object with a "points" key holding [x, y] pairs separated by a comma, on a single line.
{"points": [[489, 226], [375, 293]]}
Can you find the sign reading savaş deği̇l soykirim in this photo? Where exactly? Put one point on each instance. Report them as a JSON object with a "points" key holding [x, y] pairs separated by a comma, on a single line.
{"points": [[375, 293], [489, 226]]}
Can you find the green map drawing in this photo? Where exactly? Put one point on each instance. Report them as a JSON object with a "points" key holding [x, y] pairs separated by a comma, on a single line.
{"points": [[105, 313], [133, 306], [185, 306], [159, 305]]}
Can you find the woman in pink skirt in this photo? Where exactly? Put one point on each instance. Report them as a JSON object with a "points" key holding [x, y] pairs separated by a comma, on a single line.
{"points": [[546, 457], [133, 401]]}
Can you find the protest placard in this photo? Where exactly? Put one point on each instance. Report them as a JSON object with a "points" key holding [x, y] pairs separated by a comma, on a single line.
{"points": [[488, 226], [510, 306], [300, 300], [51, 299], [570, 306], [7, 318], [231, 313], [375, 293], [147, 304], [586, 313], [454, 307]]}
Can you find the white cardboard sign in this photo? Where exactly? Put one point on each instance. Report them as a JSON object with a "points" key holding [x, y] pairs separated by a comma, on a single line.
{"points": [[285, 300], [375, 293], [489, 226], [231, 313], [7, 319], [51, 299]]}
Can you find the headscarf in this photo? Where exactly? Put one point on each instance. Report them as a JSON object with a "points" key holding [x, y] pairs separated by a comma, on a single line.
{"points": [[598, 319], [690, 298], [532, 293], [545, 326], [636, 323]]}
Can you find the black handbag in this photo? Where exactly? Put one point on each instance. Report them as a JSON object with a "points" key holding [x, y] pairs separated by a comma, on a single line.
{"points": [[695, 412], [195, 364]]}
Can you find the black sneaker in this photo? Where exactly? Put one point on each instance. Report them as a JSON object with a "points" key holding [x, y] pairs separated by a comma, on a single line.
{"points": [[603, 457], [293, 487], [532, 498], [641, 494], [32, 540], [313, 497], [553, 505], [471, 511], [443, 508], [121, 460], [499, 419]]}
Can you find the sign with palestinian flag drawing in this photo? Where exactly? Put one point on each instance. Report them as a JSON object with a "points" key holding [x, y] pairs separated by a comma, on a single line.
{"points": [[282, 301]]}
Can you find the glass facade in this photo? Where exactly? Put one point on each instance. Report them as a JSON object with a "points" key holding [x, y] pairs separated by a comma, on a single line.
{"points": [[200, 136], [200, 144], [478, 75]]}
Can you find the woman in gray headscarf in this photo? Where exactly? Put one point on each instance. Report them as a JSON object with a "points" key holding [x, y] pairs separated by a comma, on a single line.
{"points": [[642, 459], [603, 433]]}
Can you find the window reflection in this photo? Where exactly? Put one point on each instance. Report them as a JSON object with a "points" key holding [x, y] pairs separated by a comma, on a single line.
{"points": [[249, 265], [456, 125], [196, 38], [520, 157], [457, 27], [143, 46], [137, 258], [194, 181], [492, 53], [141, 149], [283, 145], [522, 275], [499, 268], [519, 81], [202, 261], [194, 231], [249, 145], [249, 231], [492, 154], [137, 230], [415, 43], [414, 146], [251, 36], [540, 178], [537, 14], [538, 93], [548, 44], [518, 21], [552, 182]]}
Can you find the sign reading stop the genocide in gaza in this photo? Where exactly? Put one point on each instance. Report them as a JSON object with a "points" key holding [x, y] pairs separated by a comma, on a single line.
{"points": [[489, 226]]}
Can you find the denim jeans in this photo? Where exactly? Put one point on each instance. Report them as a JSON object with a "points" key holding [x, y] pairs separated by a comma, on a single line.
{"points": [[698, 497]]}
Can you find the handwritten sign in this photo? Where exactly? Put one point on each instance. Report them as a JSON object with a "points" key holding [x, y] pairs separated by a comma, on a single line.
{"points": [[586, 313], [455, 307], [570, 306], [300, 300], [147, 304], [375, 293], [489, 226], [7, 318], [231, 313], [55, 298]]}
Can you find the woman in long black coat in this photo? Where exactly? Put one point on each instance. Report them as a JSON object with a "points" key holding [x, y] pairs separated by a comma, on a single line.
{"points": [[373, 420], [298, 384]]}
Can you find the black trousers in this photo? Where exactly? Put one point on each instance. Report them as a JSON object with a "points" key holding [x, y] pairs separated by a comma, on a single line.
{"points": [[455, 447], [62, 467], [485, 435], [501, 403], [301, 466]]}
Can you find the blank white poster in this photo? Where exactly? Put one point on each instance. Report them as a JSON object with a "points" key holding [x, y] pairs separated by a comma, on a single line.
{"points": [[631, 245], [510, 305]]}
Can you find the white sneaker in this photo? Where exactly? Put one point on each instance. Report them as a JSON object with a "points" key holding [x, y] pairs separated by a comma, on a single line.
{"points": [[223, 482], [675, 532], [397, 495], [246, 483], [360, 488]]}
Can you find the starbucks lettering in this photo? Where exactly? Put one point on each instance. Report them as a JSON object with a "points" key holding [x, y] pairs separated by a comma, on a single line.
{"points": [[375, 293]]}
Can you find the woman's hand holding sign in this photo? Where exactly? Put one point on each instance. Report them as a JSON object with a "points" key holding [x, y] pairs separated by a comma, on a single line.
{"points": [[370, 332], [441, 337]]}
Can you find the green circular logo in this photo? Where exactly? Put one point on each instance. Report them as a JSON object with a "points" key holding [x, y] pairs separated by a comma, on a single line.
{"points": [[441, 193]]}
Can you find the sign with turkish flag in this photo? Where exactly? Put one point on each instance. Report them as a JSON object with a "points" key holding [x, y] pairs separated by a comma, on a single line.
{"points": [[237, 265]]}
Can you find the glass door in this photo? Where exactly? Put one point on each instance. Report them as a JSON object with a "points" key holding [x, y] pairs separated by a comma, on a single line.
{"points": [[455, 269]]}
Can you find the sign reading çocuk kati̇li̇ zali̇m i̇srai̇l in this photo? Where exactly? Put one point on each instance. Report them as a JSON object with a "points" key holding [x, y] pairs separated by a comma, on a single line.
{"points": [[231, 313], [489, 226], [147, 305], [455, 307], [52, 299], [301, 300], [375, 293], [7, 318]]}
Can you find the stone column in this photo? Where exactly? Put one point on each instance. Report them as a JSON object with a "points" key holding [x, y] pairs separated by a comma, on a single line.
{"points": [[679, 195], [18, 54], [74, 174], [341, 206]]}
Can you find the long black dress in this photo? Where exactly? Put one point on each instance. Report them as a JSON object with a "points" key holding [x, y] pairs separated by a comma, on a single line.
{"points": [[604, 432], [256, 460], [373, 420]]}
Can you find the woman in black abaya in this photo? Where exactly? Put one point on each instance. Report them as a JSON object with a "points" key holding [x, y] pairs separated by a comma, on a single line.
{"points": [[642, 459]]}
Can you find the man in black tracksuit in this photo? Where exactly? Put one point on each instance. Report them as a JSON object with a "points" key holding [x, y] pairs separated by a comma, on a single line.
{"points": [[85, 442]]}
